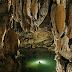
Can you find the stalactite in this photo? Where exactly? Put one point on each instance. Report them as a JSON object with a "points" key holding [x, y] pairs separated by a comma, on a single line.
{"points": [[34, 8], [42, 13], [17, 9], [14, 9]]}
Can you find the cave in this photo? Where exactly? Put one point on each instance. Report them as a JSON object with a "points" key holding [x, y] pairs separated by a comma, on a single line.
{"points": [[35, 36]]}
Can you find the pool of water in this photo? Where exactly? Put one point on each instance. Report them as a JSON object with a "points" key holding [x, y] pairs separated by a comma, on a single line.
{"points": [[41, 65], [32, 57]]}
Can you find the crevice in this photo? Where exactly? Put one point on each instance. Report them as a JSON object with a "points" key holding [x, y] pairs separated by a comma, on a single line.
{"points": [[70, 42], [63, 35], [66, 62]]}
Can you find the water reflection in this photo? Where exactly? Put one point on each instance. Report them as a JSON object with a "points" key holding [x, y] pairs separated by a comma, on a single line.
{"points": [[32, 57]]}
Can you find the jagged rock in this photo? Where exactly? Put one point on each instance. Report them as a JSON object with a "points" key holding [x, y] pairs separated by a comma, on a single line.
{"points": [[69, 67], [60, 63], [60, 66], [64, 49]]}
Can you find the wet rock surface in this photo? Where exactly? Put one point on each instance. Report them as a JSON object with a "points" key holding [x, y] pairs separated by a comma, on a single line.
{"points": [[40, 38]]}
